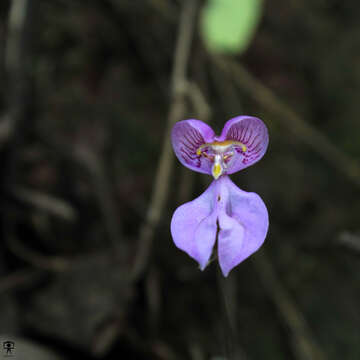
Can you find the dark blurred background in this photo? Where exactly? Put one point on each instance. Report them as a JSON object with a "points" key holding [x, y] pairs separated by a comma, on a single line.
{"points": [[89, 91]]}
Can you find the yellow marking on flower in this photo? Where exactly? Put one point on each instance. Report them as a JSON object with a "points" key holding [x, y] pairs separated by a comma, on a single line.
{"points": [[243, 147], [216, 171], [225, 143]]}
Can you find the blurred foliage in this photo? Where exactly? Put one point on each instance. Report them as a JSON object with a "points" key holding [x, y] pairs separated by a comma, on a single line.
{"points": [[229, 25]]}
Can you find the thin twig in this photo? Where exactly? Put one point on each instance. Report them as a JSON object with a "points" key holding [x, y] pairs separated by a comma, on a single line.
{"points": [[294, 123], [46, 202], [350, 240], [17, 64], [38, 260], [53, 263], [201, 106], [106, 335], [19, 278], [176, 113], [303, 342]]}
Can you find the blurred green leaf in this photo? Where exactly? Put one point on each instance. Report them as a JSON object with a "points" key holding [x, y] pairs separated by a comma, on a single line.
{"points": [[228, 25]]}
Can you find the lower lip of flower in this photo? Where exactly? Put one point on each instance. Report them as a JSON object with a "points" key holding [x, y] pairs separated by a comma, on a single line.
{"points": [[220, 154]]}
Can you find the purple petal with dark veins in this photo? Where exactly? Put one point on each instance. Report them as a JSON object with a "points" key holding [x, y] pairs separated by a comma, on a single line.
{"points": [[187, 136], [251, 132]]}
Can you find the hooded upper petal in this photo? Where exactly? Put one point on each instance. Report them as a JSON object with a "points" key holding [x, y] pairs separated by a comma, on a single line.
{"points": [[249, 131], [194, 227], [187, 136], [243, 225]]}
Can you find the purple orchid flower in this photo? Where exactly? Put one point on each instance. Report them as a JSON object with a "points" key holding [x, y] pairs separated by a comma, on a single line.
{"points": [[237, 219]]}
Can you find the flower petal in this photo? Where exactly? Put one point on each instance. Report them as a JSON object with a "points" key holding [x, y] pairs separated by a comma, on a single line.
{"points": [[194, 227], [230, 242], [187, 136], [243, 227], [251, 132], [204, 239]]}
